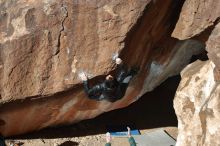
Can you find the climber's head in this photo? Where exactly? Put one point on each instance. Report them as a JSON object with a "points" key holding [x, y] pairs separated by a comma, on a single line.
{"points": [[109, 77], [109, 81]]}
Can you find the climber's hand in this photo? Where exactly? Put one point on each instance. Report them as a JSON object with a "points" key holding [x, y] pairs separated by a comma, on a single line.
{"points": [[83, 76], [118, 61]]}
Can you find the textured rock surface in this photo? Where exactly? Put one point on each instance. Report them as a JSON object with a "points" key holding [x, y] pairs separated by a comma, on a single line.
{"points": [[201, 19], [213, 48], [197, 99], [195, 17], [181, 55], [45, 44], [197, 106]]}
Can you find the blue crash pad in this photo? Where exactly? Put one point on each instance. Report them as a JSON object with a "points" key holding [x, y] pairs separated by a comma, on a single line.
{"points": [[121, 130]]}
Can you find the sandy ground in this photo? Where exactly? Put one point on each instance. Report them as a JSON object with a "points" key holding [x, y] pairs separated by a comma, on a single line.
{"points": [[95, 140], [153, 111]]}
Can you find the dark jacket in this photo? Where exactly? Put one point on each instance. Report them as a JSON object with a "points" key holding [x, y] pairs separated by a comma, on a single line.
{"points": [[109, 90], [2, 141], [101, 91]]}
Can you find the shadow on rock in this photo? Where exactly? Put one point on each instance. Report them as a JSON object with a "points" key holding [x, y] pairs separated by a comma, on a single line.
{"points": [[153, 110]]}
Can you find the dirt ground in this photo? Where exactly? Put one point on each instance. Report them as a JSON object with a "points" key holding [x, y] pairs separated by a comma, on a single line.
{"points": [[94, 140], [151, 112]]}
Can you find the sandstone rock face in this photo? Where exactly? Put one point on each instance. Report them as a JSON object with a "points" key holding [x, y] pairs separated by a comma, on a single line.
{"points": [[213, 48], [45, 44], [183, 51], [197, 99], [197, 106], [198, 18], [195, 17]]}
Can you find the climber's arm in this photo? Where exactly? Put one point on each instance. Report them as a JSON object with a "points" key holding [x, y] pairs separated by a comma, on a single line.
{"points": [[133, 71], [121, 73], [93, 92], [120, 70]]}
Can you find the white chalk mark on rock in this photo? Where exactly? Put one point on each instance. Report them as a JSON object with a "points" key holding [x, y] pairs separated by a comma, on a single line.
{"points": [[110, 10], [73, 66]]}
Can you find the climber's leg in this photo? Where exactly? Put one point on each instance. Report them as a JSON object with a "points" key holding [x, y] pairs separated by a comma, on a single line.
{"points": [[127, 79]]}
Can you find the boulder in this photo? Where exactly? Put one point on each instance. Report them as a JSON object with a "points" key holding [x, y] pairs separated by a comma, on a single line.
{"points": [[197, 107], [195, 17], [46, 44], [213, 48], [200, 20]]}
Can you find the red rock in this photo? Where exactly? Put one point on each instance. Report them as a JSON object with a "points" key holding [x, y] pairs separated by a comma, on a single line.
{"points": [[44, 45], [195, 17], [199, 20]]}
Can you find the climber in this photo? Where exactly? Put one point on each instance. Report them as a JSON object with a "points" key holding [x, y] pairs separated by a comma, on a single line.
{"points": [[111, 89]]}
